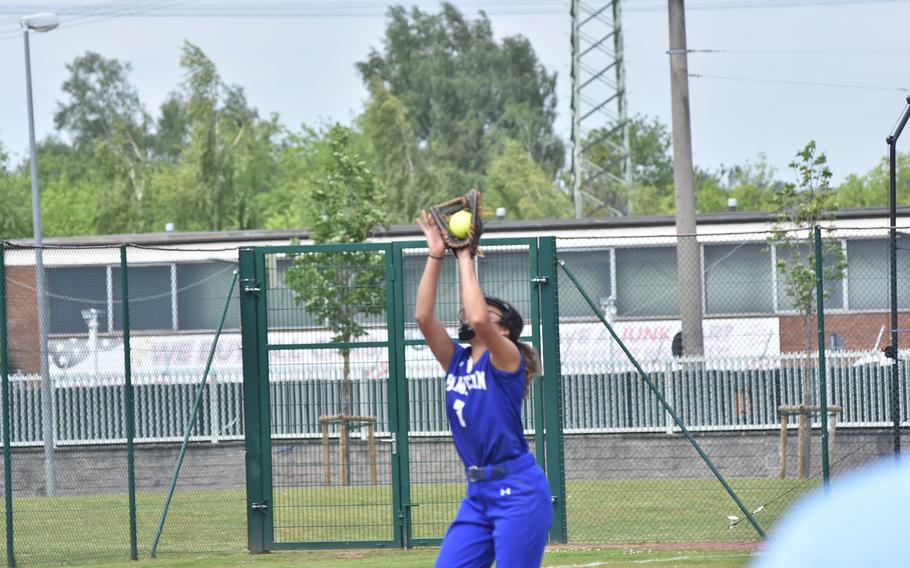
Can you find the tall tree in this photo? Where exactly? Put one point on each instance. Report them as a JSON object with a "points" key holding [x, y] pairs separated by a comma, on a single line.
{"points": [[229, 156], [172, 129], [79, 194], [342, 289], [100, 100], [395, 153], [463, 93], [108, 124]]}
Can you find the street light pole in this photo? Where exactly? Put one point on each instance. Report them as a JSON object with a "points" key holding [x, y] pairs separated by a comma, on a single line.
{"points": [[40, 23]]}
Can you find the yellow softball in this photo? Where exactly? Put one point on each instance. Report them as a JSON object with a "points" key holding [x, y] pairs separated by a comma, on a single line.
{"points": [[460, 223]]}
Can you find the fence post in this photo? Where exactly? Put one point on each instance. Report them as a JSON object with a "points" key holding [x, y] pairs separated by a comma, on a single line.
{"points": [[822, 383], [250, 288], [552, 384], [214, 408], [128, 402], [7, 453], [668, 394]]}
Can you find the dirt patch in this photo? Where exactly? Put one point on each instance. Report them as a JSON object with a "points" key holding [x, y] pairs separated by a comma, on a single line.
{"points": [[350, 554], [700, 545]]}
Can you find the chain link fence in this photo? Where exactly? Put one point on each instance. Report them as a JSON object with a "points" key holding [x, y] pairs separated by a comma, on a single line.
{"points": [[747, 390], [632, 475], [83, 430]]}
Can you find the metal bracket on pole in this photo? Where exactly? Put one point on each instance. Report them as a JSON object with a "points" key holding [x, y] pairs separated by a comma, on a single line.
{"points": [[250, 286]]}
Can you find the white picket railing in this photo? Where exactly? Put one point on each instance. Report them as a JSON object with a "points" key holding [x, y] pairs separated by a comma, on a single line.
{"points": [[731, 394]]}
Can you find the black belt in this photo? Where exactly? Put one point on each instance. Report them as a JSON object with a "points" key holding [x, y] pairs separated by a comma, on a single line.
{"points": [[480, 473], [499, 471]]}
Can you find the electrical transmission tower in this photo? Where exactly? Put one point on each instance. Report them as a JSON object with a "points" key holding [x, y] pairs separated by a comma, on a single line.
{"points": [[601, 149]]}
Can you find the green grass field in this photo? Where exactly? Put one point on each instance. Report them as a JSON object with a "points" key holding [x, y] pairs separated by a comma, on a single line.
{"points": [[421, 558], [208, 528]]}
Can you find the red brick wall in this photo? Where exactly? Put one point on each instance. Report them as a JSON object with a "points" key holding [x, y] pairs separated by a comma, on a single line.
{"points": [[22, 315], [858, 330]]}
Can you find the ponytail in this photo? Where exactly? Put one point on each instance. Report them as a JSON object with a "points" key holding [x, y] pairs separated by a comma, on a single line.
{"points": [[532, 364]]}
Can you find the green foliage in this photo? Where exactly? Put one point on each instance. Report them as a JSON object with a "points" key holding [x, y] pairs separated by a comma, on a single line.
{"points": [[341, 289], [444, 96], [802, 204], [450, 107], [101, 102], [108, 125], [751, 184], [517, 183], [401, 167], [872, 189], [229, 157], [652, 168], [710, 195], [338, 288], [15, 204]]}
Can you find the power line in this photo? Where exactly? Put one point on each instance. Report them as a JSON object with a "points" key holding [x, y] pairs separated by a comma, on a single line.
{"points": [[378, 8], [817, 51], [800, 83], [128, 8]]}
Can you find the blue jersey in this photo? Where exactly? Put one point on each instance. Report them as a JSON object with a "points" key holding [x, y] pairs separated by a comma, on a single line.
{"points": [[484, 409]]}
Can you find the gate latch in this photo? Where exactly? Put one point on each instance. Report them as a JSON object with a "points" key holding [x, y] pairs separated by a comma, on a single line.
{"points": [[260, 507], [250, 286], [540, 280]]}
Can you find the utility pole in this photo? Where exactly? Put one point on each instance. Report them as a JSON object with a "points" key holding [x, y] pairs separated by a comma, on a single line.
{"points": [[688, 253], [599, 110]]}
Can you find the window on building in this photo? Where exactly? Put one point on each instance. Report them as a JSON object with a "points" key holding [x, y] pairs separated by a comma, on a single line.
{"points": [[869, 273], [151, 298], [738, 279], [646, 282], [592, 270], [70, 291], [201, 292]]}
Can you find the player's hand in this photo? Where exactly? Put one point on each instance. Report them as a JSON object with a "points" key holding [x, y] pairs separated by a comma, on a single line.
{"points": [[464, 252], [435, 243]]}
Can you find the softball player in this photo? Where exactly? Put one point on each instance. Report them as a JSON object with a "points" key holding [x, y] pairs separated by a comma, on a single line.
{"points": [[506, 513]]}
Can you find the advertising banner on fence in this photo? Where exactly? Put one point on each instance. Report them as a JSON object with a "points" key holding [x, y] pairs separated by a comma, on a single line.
{"points": [[584, 347]]}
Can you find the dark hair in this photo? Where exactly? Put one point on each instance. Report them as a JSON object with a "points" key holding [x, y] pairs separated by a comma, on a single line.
{"points": [[532, 364], [513, 321]]}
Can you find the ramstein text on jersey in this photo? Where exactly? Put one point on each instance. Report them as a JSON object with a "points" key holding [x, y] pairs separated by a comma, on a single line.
{"points": [[464, 383]]}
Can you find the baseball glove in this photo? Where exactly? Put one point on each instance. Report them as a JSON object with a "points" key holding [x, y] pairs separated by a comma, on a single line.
{"points": [[471, 202]]}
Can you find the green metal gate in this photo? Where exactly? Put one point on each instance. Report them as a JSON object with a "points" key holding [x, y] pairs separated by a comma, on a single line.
{"points": [[344, 406]]}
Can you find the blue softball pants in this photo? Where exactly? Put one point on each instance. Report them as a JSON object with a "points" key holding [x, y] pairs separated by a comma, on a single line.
{"points": [[505, 517]]}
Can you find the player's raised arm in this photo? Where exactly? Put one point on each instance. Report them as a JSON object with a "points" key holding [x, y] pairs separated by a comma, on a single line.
{"points": [[433, 330], [504, 353]]}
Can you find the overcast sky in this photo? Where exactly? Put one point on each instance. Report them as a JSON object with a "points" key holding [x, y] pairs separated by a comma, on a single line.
{"points": [[788, 70]]}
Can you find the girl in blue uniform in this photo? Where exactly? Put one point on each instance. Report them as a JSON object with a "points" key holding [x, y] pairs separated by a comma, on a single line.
{"points": [[506, 513]]}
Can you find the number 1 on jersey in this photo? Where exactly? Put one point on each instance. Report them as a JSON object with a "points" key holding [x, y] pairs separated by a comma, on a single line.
{"points": [[458, 406]]}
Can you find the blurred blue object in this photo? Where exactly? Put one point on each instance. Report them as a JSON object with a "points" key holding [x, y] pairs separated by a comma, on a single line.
{"points": [[861, 523]]}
